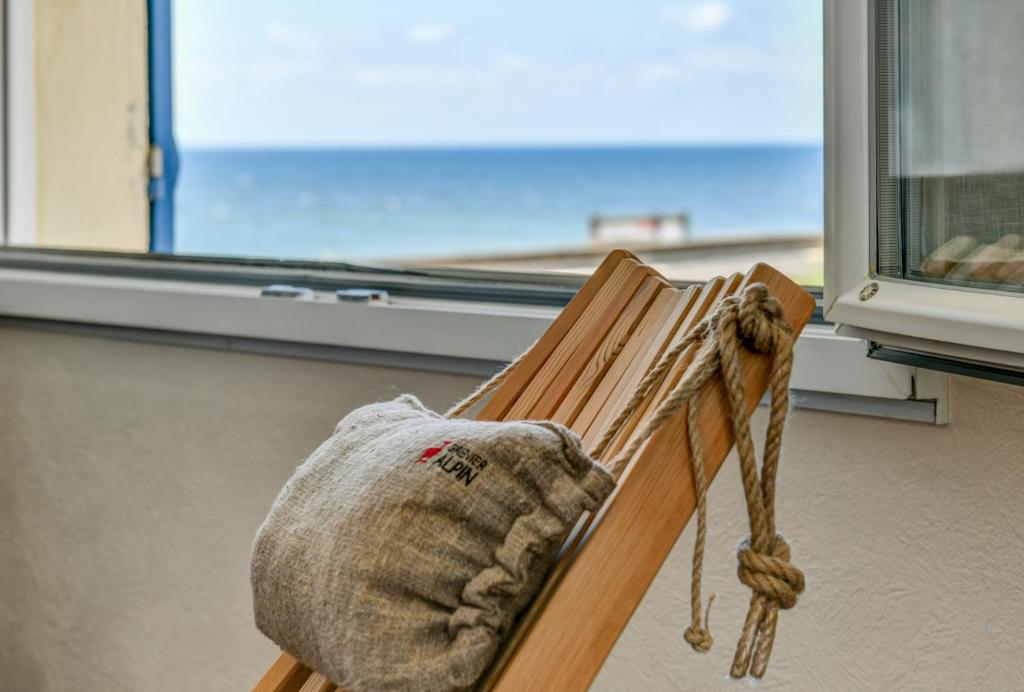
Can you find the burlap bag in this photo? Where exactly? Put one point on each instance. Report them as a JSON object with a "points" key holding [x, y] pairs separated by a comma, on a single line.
{"points": [[400, 553]]}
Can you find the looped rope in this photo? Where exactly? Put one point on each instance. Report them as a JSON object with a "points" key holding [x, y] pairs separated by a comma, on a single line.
{"points": [[756, 320], [486, 388], [770, 575], [761, 322]]}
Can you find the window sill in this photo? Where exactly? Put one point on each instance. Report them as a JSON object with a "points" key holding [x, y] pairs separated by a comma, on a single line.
{"points": [[979, 326], [434, 334]]}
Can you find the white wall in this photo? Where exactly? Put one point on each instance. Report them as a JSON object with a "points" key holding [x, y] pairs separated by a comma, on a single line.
{"points": [[912, 541], [134, 475]]}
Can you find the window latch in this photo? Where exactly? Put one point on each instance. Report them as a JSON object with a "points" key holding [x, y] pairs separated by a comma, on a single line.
{"points": [[156, 186]]}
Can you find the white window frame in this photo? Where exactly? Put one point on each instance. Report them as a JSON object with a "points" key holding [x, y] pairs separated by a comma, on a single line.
{"points": [[18, 54], [134, 297], [985, 328]]}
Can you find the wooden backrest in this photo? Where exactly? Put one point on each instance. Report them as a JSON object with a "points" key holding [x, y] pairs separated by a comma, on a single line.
{"points": [[581, 373]]}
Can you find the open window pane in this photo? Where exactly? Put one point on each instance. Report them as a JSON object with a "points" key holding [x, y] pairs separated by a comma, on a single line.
{"points": [[951, 158]]}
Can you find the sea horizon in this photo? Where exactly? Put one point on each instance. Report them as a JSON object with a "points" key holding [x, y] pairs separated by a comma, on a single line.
{"points": [[430, 146], [380, 202]]}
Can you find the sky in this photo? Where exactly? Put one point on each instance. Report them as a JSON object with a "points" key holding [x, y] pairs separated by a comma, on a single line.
{"points": [[277, 73]]}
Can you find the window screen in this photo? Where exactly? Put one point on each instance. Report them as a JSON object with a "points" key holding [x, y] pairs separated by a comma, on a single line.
{"points": [[949, 86]]}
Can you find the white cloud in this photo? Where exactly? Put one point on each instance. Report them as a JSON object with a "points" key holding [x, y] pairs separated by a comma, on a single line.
{"points": [[657, 72], [512, 62], [292, 38], [701, 17], [412, 77], [288, 50], [708, 61], [430, 32]]}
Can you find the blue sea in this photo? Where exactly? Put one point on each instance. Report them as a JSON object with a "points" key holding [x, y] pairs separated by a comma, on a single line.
{"points": [[371, 204]]}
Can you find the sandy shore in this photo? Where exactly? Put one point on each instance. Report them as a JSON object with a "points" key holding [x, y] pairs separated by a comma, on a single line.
{"points": [[799, 256]]}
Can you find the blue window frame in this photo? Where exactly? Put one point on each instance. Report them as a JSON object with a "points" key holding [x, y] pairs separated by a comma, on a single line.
{"points": [[164, 158]]}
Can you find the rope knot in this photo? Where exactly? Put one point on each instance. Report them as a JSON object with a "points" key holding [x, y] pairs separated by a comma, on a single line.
{"points": [[771, 574], [698, 634], [699, 638], [761, 323]]}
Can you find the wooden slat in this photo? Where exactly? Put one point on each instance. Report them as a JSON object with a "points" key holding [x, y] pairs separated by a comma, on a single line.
{"points": [[711, 294], [637, 528], [317, 683], [667, 301], [641, 354], [503, 398], [553, 380], [286, 675], [588, 365], [729, 286]]}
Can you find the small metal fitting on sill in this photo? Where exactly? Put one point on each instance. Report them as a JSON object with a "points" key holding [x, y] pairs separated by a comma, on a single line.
{"points": [[286, 291], [869, 291], [362, 295]]}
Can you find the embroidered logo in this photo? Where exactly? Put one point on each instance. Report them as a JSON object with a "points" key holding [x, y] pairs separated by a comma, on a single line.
{"points": [[455, 460]]}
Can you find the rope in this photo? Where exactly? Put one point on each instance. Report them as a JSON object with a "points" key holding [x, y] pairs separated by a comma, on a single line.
{"points": [[486, 388], [756, 320]]}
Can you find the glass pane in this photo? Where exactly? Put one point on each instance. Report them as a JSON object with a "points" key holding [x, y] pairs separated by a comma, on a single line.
{"points": [[951, 154], [531, 135]]}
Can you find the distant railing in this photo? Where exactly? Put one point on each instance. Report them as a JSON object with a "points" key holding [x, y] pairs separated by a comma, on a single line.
{"points": [[650, 229]]}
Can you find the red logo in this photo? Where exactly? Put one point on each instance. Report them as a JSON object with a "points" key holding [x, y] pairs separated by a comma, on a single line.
{"points": [[432, 452]]}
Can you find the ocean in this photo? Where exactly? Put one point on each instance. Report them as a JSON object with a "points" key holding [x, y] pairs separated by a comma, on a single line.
{"points": [[380, 204]]}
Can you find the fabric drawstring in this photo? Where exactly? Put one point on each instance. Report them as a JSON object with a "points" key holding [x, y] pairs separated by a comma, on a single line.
{"points": [[753, 319]]}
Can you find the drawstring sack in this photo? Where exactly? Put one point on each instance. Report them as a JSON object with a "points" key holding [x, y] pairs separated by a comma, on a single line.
{"points": [[401, 551]]}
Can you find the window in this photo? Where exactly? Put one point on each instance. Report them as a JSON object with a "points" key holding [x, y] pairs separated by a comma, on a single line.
{"points": [[530, 137], [950, 177], [212, 173], [925, 181]]}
